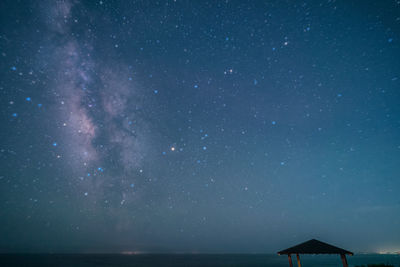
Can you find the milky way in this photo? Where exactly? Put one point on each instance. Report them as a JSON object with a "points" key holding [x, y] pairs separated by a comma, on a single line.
{"points": [[98, 107], [183, 126]]}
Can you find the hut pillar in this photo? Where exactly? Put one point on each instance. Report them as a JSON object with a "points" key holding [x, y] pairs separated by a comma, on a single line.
{"points": [[344, 260], [290, 260], [298, 260]]}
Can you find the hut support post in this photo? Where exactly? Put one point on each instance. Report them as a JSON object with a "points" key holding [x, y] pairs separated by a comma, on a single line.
{"points": [[290, 260], [298, 260], [344, 260]]}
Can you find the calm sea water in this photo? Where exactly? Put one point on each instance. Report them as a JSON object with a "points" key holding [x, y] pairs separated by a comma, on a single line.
{"points": [[248, 260]]}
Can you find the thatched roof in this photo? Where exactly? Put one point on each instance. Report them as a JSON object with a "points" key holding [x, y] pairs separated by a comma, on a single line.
{"points": [[314, 246]]}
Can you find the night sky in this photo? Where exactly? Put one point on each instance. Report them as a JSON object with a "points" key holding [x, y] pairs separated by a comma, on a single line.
{"points": [[199, 126]]}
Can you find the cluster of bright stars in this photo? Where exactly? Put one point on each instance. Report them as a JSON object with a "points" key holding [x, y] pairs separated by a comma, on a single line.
{"points": [[27, 99]]}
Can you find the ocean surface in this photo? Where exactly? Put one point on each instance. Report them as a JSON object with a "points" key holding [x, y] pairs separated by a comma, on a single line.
{"points": [[248, 260]]}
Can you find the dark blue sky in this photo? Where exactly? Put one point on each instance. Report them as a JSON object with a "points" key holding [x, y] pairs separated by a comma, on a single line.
{"points": [[199, 126]]}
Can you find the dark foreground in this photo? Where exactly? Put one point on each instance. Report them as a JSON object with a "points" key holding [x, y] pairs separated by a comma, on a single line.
{"points": [[248, 260]]}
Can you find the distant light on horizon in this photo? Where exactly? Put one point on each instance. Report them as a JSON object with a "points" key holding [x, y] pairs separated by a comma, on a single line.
{"points": [[132, 252], [393, 251]]}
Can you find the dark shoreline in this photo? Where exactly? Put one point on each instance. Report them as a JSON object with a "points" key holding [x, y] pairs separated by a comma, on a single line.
{"points": [[168, 259]]}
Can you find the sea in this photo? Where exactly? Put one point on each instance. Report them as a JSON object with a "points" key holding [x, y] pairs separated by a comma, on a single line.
{"points": [[207, 260]]}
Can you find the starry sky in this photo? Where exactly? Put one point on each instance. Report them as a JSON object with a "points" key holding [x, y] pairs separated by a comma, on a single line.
{"points": [[199, 126]]}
